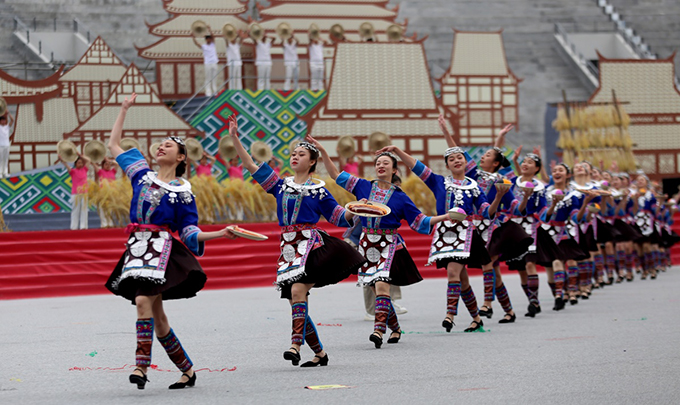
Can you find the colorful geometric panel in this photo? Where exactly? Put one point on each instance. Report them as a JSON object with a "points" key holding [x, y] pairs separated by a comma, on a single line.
{"points": [[40, 191], [271, 116]]}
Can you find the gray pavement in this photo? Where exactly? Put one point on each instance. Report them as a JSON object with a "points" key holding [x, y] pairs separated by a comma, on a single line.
{"points": [[620, 347]]}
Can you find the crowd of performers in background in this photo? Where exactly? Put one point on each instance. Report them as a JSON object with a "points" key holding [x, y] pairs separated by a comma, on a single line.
{"points": [[587, 227]]}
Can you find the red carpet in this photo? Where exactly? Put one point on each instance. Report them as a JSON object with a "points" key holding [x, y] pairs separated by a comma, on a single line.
{"points": [[63, 263]]}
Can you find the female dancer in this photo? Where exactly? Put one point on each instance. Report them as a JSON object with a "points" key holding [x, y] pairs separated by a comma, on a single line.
{"points": [[456, 243], [503, 238], [563, 205], [645, 220], [388, 261], [309, 256], [155, 266], [581, 227], [543, 249]]}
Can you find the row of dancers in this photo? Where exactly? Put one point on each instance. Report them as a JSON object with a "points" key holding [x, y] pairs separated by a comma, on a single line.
{"points": [[516, 219]]}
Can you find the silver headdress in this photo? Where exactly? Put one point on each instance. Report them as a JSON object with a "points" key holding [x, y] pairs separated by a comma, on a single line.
{"points": [[390, 154], [455, 149], [308, 146], [176, 139], [534, 157]]}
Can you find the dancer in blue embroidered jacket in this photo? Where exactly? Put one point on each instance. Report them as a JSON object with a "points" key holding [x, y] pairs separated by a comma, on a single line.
{"points": [[309, 256], [155, 266], [456, 243], [388, 261], [543, 249], [504, 239], [645, 220]]}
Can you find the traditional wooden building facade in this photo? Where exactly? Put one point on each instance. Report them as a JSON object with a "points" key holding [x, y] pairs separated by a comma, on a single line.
{"points": [[479, 87], [653, 103]]}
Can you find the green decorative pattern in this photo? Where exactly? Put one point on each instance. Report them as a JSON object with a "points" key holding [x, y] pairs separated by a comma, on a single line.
{"points": [[40, 191], [270, 116]]}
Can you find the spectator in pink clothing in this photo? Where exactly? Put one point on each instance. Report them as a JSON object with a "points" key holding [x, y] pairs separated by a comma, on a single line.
{"points": [[234, 169], [276, 164], [78, 191], [105, 173], [349, 165], [205, 165]]}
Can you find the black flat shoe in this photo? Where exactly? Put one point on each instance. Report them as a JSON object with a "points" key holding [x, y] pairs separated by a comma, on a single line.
{"points": [[323, 361], [477, 326], [180, 385], [448, 324], [573, 300], [508, 318], [619, 280], [559, 304], [486, 311], [395, 339], [376, 339], [292, 356], [140, 380], [533, 310]]}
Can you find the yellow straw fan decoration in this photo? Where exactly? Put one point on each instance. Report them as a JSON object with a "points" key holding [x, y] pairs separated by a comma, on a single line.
{"points": [[3, 226], [597, 133]]}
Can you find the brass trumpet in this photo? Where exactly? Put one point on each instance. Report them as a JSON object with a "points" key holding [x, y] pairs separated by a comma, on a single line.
{"points": [[284, 31], [200, 29]]}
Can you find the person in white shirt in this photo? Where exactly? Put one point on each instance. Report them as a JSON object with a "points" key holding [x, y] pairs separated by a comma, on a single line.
{"points": [[291, 62], [210, 62], [316, 64], [5, 129], [234, 61], [263, 61]]}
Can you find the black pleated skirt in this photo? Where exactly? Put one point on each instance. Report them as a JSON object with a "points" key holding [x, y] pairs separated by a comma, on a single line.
{"points": [[509, 241], [587, 240], [608, 233], [329, 264], [184, 277], [546, 249], [570, 250], [479, 256], [668, 239], [629, 232]]}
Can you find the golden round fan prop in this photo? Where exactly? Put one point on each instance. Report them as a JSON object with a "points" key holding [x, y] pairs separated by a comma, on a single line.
{"points": [[337, 33], [194, 149], [284, 31], [129, 143], [366, 30], [153, 149], [226, 148], [95, 150], [346, 147], [378, 140], [256, 32], [261, 151], [394, 32], [200, 29], [314, 32], [3, 106], [229, 32], [67, 151]]}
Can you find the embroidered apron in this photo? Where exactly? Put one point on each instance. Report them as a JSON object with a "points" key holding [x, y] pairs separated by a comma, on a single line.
{"points": [[378, 246], [297, 241], [147, 253], [451, 240]]}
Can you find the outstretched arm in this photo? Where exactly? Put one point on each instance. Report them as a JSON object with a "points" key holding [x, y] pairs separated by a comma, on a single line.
{"points": [[210, 157], [330, 166], [497, 200], [247, 160], [117, 131], [68, 169], [447, 135], [500, 140], [408, 160]]}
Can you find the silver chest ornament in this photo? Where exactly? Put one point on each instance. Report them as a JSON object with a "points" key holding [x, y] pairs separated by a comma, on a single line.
{"points": [[175, 193]]}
